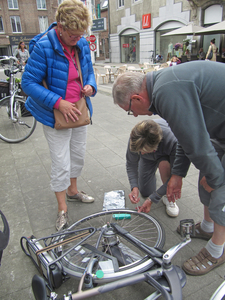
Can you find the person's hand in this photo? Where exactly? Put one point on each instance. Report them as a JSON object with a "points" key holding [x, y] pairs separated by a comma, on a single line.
{"points": [[134, 195], [87, 90], [174, 188], [69, 110], [204, 183], [146, 207]]}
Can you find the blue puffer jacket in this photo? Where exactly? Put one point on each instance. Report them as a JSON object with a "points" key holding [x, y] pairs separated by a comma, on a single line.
{"points": [[47, 61]]}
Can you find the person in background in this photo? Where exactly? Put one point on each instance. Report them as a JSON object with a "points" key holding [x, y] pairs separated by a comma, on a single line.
{"points": [[151, 146], [21, 54], [174, 61], [212, 47], [53, 59], [193, 104], [202, 54]]}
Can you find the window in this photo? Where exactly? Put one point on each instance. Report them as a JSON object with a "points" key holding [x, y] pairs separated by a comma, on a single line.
{"points": [[13, 4], [15, 23], [120, 3], [41, 4], [1, 25], [43, 23]]}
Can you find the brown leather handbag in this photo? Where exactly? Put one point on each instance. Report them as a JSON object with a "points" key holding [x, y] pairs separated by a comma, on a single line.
{"points": [[84, 119]]}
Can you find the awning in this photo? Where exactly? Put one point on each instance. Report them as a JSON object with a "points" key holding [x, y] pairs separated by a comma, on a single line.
{"points": [[217, 28], [185, 30]]}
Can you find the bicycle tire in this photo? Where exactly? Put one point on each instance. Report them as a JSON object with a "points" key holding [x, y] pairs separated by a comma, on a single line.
{"points": [[22, 127], [139, 225]]}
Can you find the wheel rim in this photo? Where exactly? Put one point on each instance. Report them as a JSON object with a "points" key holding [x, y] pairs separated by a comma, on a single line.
{"points": [[131, 259], [23, 125]]}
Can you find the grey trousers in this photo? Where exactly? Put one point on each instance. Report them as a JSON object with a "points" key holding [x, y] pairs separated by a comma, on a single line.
{"points": [[215, 201], [146, 175]]}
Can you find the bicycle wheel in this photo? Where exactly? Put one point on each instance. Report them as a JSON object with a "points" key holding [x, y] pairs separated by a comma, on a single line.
{"points": [[131, 259], [22, 125]]}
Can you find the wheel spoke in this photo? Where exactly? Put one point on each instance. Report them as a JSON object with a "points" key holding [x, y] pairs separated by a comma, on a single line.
{"points": [[20, 126], [143, 227]]}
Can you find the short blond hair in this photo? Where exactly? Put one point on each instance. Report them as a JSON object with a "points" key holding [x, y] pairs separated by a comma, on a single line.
{"points": [[73, 15]]}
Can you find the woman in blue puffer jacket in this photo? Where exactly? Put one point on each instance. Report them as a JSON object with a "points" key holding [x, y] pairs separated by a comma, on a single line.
{"points": [[53, 60]]}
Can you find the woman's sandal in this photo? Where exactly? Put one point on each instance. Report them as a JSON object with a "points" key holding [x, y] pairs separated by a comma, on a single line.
{"points": [[202, 263]]}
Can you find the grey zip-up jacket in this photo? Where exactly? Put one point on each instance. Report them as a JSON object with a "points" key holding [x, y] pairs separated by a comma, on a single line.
{"points": [[191, 98], [166, 149]]}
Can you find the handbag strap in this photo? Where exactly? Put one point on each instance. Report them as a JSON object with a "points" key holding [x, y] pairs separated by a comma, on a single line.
{"points": [[79, 70], [78, 66]]}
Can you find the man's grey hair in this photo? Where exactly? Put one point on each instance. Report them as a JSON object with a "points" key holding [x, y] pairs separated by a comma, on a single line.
{"points": [[126, 85]]}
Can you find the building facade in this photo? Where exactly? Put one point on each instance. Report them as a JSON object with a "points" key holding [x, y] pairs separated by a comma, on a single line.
{"points": [[22, 20], [137, 27]]}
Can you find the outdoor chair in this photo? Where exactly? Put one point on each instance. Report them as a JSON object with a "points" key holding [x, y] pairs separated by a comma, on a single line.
{"points": [[119, 71], [105, 77]]}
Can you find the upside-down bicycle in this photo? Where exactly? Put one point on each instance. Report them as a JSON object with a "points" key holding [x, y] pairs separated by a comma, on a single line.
{"points": [[107, 250], [16, 123]]}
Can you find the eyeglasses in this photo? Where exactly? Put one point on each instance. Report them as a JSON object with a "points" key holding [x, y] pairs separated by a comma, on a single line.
{"points": [[129, 112], [75, 36]]}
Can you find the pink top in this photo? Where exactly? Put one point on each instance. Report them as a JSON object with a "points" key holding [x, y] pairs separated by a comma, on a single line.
{"points": [[74, 87]]}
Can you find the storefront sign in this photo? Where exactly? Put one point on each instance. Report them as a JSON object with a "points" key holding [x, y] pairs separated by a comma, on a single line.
{"points": [[99, 24], [15, 39], [125, 45], [146, 21]]}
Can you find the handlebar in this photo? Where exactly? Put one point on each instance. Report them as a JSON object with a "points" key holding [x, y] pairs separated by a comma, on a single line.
{"points": [[10, 58], [13, 66]]}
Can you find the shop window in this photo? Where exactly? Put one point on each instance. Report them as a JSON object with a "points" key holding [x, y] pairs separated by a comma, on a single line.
{"points": [[212, 15], [43, 23], [120, 3], [41, 4], [1, 25], [13, 4], [15, 23]]}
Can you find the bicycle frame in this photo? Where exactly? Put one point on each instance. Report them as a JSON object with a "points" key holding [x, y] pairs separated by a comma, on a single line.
{"points": [[165, 277]]}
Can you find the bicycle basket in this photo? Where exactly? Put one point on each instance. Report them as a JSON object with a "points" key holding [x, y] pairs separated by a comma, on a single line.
{"points": [[4, 88]]}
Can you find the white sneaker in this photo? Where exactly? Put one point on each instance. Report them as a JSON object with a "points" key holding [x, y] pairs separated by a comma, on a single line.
{"points": [[172, 209]]}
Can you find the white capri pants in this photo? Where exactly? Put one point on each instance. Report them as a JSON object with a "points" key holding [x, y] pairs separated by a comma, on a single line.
{"points": [[67, 150]]}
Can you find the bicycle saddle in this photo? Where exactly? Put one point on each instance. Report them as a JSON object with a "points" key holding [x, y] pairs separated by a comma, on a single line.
{"points": [[39, 288]]}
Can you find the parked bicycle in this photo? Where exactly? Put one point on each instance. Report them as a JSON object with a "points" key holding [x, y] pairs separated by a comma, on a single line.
{"points": [[16, 123], [113, 249], [154, 59]]}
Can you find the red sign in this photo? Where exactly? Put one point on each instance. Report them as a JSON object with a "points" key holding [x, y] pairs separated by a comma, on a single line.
{"points": [[92, 47], [125, 45], [88, 38], [92, 38], [146, 21]]}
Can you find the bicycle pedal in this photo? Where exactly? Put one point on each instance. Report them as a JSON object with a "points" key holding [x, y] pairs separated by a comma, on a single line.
{"points": [[187, 227]]}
